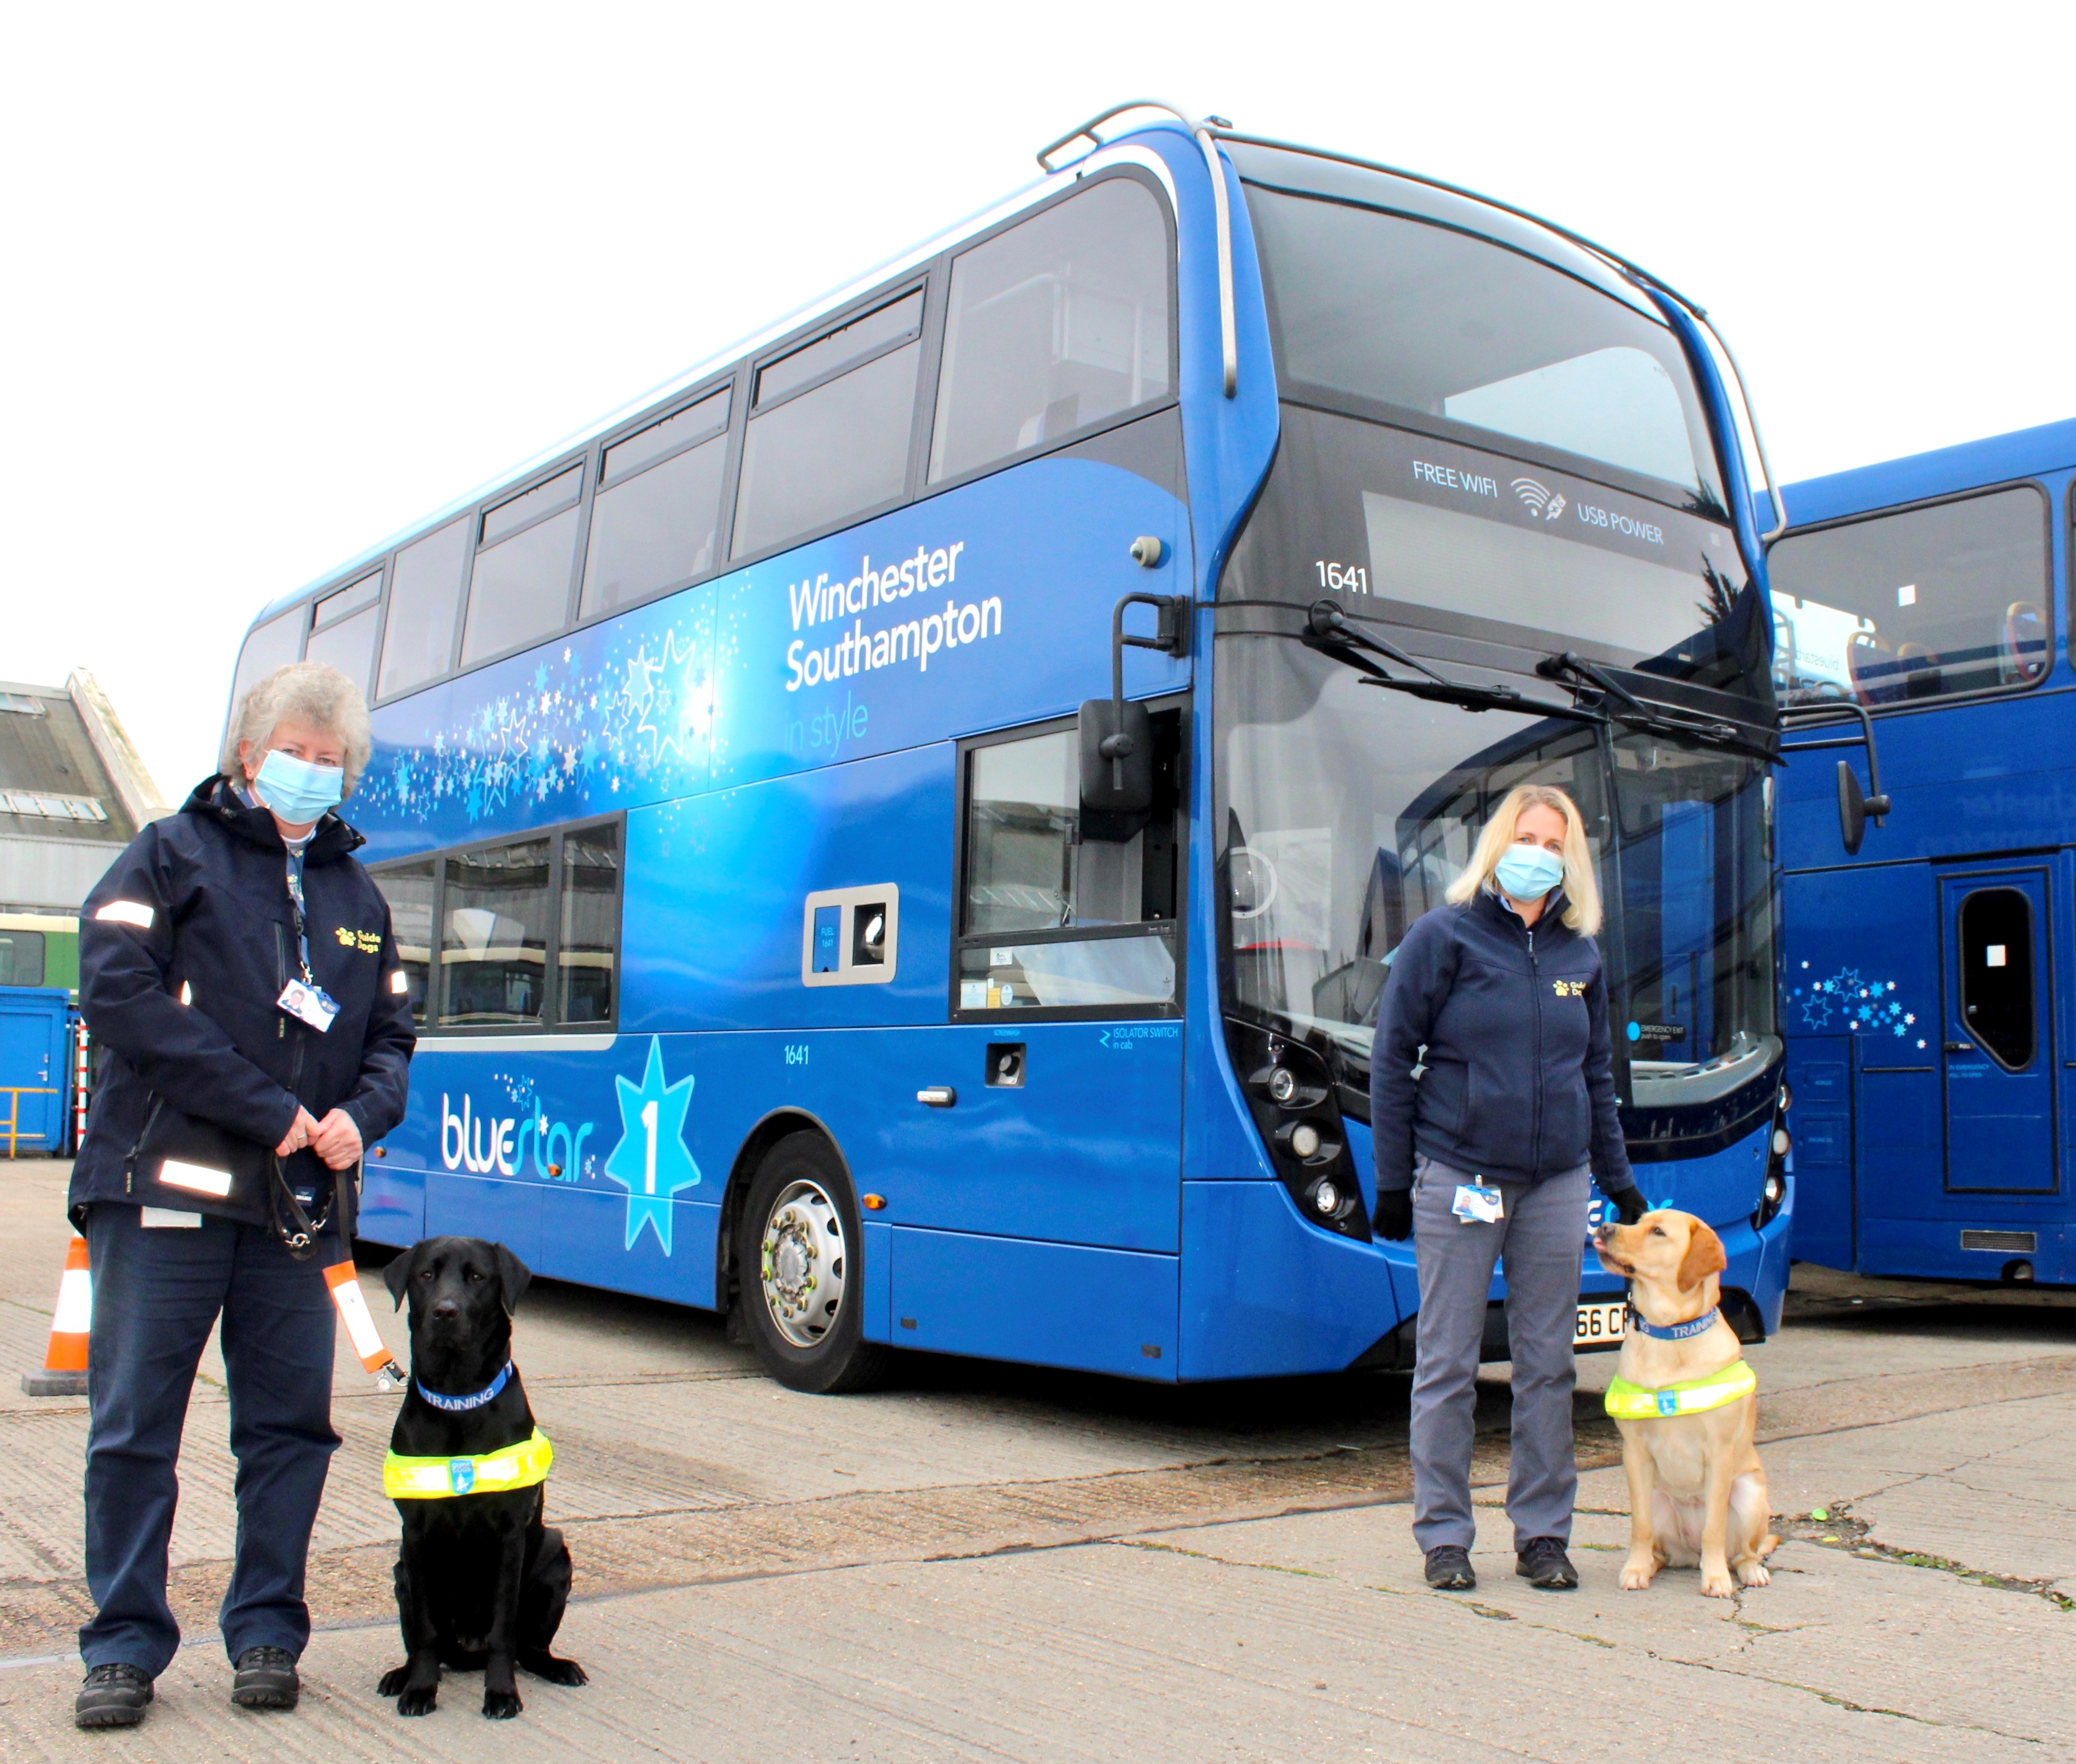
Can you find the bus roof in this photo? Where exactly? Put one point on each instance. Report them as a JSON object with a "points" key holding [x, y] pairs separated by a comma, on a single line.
{"points": [[1972, 465]]}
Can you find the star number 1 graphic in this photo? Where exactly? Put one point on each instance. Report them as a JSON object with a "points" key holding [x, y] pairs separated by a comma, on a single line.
{"points": [[650, 1161]]}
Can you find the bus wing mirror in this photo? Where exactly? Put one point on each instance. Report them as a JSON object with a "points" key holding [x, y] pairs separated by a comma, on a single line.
{"points": [[1117, 759]]}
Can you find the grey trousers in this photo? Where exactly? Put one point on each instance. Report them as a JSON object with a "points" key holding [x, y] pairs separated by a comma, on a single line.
{"points": [[1541, 1239]]}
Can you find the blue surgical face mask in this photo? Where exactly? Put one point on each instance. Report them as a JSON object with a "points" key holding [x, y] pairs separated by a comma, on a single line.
{"points": [[1529, 872], [297, 791]]}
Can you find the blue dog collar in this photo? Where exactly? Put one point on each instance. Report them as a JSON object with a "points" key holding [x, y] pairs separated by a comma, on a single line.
{"points": [[1673, 1332], [454, 1405]]}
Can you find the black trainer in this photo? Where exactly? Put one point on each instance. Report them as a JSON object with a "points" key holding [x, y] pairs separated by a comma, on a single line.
{"points": [[1542, 1563], [112, 1695], [1449, 1568], [265, 1679]]}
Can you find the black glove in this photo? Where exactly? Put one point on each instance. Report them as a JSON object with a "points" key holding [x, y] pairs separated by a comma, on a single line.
{"points": [[1394, 1215], [1629, 1203]]}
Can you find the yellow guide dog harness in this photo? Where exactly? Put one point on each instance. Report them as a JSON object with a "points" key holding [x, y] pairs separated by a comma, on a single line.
{"points": [[1693, 1397], [490, 1472]]}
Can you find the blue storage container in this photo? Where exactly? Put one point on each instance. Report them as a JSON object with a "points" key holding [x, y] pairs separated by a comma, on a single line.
{"points": [[34, 1070]]}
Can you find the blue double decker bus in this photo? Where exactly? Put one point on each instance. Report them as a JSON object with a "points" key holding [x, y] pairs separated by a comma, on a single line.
{"points": [[900, 835], [1928, 978]]}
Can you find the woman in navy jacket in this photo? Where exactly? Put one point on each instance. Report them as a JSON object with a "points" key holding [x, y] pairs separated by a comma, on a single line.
{"points": [[1492, 1109], [238, 975]]}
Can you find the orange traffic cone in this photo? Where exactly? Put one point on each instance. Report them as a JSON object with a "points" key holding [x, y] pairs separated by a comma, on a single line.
{"points": [[64, 1365]]}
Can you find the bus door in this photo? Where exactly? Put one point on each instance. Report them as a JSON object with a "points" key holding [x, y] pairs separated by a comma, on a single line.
{"points": [[1042, 1158], [1998, 1032]]}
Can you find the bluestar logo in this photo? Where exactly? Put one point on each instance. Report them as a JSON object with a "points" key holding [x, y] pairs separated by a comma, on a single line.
{"points": [[485, 1143], [651, 1161]]}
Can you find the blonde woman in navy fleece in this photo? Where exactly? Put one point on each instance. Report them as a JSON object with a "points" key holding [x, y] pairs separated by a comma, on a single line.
{"points": [[1492, 1106]]}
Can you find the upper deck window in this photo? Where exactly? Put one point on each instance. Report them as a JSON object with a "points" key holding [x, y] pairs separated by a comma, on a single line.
{"points": [[839, 447], [270, 646], [1429, 322], [520, 589], [1060, 321], [342, 629], [1918, 603], [653, 523], [425, 590]]}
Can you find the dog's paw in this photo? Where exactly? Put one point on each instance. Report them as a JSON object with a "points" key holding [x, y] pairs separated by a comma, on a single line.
{"points": [[1718, 1585], [552, 1669], [393, 1681], [500, 1705], [1754, 1574], [1636, 1576], [418, 1699]]}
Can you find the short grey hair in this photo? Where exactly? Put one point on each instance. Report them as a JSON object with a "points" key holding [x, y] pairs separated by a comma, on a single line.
{"points": [[311, 692]]}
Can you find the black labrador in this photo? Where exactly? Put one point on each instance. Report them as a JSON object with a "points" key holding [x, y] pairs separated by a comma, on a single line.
{"points": [[480, 1581]]}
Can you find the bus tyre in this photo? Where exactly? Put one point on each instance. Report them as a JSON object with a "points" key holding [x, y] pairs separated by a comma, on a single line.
{"points": [[800, 1269]]}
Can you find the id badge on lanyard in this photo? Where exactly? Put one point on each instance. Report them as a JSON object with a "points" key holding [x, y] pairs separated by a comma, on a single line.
{"points": [[1476, 1203], [304, 999]]}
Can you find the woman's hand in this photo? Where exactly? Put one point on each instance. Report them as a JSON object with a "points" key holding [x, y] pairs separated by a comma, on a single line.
{"points": [[299, 1133], [1629, 1204], [337, 1140], [1394, 1215]]}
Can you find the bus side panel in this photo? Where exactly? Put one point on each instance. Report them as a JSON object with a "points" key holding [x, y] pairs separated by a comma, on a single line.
{"points": [[717, 889], [392, 1204], [1047, 1304], [581, 1160], [1820, 1123], [1266, 1295]]}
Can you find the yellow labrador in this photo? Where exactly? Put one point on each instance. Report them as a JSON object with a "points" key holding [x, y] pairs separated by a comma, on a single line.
{"points": [[1686, 1406]]}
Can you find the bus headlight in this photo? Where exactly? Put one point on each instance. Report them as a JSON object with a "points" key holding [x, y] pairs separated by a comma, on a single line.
{"points": [[1282, 1085], [1305, 1142], [1327, 1197]]}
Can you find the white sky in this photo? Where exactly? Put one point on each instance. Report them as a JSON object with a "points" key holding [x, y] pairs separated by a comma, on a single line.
{"points": [[275, 281]]}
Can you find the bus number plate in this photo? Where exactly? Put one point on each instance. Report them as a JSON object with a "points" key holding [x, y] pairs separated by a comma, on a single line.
{"points": [[1599, 1324]]}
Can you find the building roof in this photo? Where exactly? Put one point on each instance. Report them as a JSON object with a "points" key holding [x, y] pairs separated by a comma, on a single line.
{"points": [[73, 790]]}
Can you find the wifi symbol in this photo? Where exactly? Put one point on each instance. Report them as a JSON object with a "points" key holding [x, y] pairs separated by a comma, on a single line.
{"points": [[1534, 495]]}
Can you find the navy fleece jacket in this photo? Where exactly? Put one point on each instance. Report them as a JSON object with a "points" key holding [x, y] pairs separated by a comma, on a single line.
{"points": [[1516, 1081]]}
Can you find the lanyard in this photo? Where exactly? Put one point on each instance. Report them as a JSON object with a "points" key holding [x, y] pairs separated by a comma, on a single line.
{"points": [[295, 901]]}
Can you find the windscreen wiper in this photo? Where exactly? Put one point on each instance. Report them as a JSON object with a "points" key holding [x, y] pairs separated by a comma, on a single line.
{"points": [[1616, 702], [1328, 632]]}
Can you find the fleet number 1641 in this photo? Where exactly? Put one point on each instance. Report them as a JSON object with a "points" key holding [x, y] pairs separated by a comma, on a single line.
{"points": [[1349, 578]]}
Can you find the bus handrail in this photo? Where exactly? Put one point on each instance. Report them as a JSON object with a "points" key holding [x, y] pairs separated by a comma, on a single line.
{"points": [[1202, 130]]}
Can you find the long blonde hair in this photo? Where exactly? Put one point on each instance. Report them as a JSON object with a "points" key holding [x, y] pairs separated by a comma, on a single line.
{"points": [[1582, 891]]}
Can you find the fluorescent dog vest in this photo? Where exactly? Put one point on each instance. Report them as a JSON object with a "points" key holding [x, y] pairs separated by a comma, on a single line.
{"points": [[490, 1472], [1697, 1396]]}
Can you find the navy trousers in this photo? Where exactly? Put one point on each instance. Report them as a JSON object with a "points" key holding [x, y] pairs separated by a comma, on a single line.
{"points": [[156, 1291]]}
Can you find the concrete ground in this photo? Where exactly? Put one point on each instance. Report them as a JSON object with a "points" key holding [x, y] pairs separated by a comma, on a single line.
{"points": [[994, 1562]]}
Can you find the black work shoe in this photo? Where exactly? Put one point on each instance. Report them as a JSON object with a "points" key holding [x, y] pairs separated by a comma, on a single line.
{"points": [[113, 1695], [1542, 1563], [265, 1679], [1449, 1568]]}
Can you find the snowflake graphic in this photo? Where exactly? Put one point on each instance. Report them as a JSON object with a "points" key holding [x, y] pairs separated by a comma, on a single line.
{"points": [[1868, 1006]]}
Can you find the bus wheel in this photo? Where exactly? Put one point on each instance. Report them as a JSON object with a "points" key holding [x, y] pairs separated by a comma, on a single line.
{"points": [[802, 1271]]}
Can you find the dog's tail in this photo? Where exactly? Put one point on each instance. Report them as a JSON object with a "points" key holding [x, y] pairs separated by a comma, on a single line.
{"points": [[1768, 1544]]}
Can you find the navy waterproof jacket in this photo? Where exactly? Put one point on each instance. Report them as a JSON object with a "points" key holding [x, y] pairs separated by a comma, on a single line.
{"points": [[1509, 1025], [185, 946]]}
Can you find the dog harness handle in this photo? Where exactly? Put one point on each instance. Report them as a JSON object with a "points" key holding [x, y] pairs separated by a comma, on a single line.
{"points": [[1674, 1332], [1693, 1397], [490, 1472]]}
